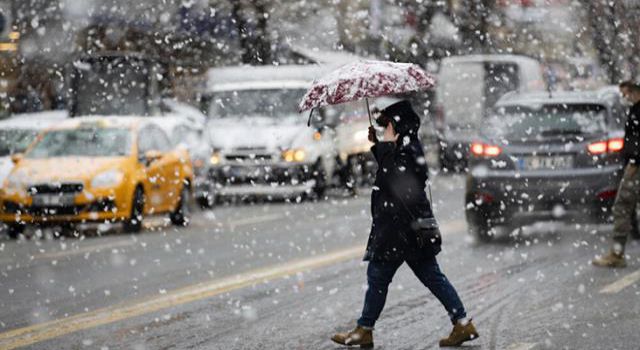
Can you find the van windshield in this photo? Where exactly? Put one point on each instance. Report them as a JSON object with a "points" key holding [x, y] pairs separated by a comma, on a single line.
{"points": [[270, 103], [467, 91]]}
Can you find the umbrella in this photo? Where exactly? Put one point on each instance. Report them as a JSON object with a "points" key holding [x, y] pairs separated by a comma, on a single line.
{"points": [[364, 79]]}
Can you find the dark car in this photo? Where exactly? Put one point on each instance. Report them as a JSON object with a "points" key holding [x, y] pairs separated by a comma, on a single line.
{"points": [[542, 157]]}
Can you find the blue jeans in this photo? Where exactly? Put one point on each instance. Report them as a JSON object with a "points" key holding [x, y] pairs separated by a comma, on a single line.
{"points": [[380, 273]]}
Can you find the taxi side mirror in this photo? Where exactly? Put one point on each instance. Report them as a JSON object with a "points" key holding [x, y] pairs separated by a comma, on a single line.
{"points": [[151, 156], [17, 157]]}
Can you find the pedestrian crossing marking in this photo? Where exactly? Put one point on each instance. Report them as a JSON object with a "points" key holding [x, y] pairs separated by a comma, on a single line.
{"points": [[621, 284]]}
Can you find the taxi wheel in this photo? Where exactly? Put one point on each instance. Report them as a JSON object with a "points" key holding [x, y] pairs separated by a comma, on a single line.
{"points": [[15, 230], [134, 223], [181, 215]]}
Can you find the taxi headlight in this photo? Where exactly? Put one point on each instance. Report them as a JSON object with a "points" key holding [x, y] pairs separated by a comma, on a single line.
{"points": [[15, 182], [294, 155], [109, 178]]}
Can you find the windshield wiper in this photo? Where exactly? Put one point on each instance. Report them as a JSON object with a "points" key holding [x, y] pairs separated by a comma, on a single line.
{"points": [[553, 132]]}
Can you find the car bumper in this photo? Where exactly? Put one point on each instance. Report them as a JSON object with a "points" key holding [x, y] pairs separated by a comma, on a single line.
{"points": [[265, 190], [506, 197], [95, 206], [265, 180]]}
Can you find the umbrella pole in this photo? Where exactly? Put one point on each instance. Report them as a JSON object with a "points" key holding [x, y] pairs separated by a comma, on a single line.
{"points": [[366, 100]]}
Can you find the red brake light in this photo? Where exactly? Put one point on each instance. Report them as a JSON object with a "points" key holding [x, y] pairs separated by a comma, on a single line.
{"points": [[482, 150], [616, 145], [492, 151], [608, 146], [477, 149], [598, 147]]}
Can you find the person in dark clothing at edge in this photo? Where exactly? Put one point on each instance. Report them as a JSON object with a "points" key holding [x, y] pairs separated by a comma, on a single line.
{"points": [[624, 206], [398, 197]]}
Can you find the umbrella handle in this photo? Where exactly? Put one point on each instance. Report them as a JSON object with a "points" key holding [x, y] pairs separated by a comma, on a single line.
{"points": [[366, 100], [309, 120]]}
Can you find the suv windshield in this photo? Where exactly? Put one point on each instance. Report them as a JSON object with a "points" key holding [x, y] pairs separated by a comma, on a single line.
{"points": [[548, 120], [15, 140], [110, 142], [271, 103]]}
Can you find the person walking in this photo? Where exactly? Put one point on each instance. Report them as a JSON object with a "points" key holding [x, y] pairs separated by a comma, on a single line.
{"points": [[398, 203], [624, 206]]}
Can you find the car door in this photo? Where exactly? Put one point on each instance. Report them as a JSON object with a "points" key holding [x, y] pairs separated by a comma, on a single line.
{"points": [[153, 171], [169, 164]]}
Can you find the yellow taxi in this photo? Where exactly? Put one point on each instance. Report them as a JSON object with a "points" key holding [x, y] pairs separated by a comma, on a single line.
{"points": [[98, 170]]}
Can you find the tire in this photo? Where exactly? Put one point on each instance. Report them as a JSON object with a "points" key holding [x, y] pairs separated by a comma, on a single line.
{"points": [[15, 230], [182, 214], [319, 175], [483, 232], [134, 223], [206, 202], [635, 230]]}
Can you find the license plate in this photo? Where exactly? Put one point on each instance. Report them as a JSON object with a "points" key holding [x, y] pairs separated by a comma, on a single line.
{"points": [[53, 200], [245, 172], [552, 162]]}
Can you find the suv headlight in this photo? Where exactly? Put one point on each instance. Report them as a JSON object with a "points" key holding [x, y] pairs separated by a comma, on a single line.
{"points": [[294, 155], [109, 178]]}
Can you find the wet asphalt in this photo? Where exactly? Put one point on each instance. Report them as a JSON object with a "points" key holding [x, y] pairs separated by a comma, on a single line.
{"points": [[534, 291]]}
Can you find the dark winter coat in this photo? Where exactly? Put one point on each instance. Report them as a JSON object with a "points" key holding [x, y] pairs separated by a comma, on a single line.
{"points": [[632, 136], [402, 173]]}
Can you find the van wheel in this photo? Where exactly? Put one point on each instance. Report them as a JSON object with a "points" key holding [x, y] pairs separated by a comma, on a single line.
{"points": [[484, 233], [207, 202], [319, 175], [181, 215], [134, 223], [15, 230]]}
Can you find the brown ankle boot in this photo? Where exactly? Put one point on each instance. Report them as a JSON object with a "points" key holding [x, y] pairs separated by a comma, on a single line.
{"points": [[358, 336], [460, 334], [611, 260]]}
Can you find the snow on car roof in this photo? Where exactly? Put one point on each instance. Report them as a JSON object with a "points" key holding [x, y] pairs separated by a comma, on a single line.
{"points": [[35, 121], [488, 58], [561, 97], [262, 85], [264, 75], [105, 122]]}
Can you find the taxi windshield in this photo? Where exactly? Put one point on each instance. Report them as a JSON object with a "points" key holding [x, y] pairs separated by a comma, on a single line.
{"points": [[86, 142]]}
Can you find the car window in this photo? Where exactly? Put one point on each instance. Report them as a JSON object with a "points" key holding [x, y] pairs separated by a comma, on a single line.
{"points": [[15, 140], [85, 142], [160, 139], [499, 79], [547, 120]]}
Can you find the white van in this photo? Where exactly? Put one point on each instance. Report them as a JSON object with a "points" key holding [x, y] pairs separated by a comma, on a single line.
{"points": [[467, 89], [261, 145]]}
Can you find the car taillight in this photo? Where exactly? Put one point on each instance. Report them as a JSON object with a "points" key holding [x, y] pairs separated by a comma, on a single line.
{"points": [[482, 150], [608, 146]]}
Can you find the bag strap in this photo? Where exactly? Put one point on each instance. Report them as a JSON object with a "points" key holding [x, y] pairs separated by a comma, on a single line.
{"points": [[407, 208]]}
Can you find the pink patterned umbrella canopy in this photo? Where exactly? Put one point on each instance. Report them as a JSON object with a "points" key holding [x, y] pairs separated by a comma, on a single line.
{"points": [[364, 79]]}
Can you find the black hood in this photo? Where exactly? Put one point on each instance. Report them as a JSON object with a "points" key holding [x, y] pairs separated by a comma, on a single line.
{"points": [[405, 120]]}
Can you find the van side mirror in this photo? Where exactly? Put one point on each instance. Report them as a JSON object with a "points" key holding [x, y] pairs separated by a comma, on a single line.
{"points": [[17, 157]]}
